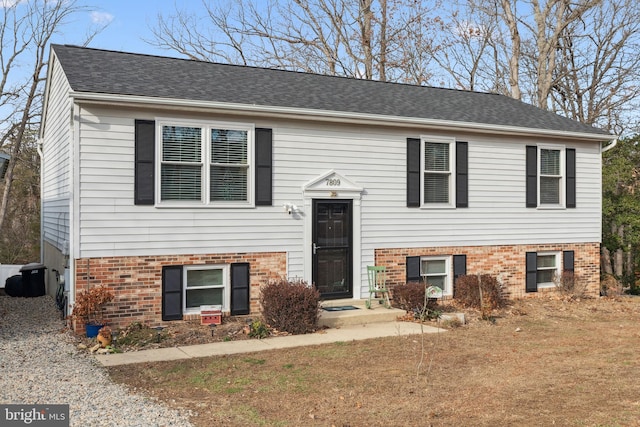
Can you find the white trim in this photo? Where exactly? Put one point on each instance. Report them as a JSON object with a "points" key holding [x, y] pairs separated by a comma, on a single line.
{"points": [[319, 188], [205, 127], [452, 172], [551, 284], [448, 286], [563, 176], [226, 288], [326, 115]]}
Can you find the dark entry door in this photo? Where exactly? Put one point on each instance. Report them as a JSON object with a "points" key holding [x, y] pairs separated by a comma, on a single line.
{"points": [[332, 252]]}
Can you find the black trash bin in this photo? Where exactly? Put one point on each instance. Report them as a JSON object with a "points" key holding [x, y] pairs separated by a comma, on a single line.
{"points": [[33, 279], [13, 286]]}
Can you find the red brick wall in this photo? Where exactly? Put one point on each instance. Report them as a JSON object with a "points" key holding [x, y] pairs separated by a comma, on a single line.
{"points": [[137, 281], [506, 262]]}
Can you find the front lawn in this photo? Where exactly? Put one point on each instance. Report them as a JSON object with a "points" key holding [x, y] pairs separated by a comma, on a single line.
{"points": [[539, 362]]}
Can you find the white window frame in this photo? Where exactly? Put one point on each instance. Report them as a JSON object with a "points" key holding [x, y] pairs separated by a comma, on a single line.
{"points": [[556, 269], [562, 181], [226, 288], [448, 281], [452, 172], [206, 127]]}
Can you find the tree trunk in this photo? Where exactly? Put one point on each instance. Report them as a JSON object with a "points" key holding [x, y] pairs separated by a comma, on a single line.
{"points": [[618, 263], [514, 60], [605, 261]]}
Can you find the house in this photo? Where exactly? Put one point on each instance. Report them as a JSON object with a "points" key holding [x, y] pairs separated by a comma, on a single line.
{"points": [[181, 183]]}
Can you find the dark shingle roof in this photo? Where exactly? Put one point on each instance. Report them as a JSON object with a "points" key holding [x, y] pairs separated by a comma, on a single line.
{"points": [[101, 71]]}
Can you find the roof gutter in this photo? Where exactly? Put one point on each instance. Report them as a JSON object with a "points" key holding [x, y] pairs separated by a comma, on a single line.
{"points": [[612, 144], [325, 115]]}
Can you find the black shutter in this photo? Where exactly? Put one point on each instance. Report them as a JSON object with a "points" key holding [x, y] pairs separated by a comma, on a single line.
{"points": [[462, 174], [571, 177], [145, 143], [532, 176], [172, 292], [532, 272], [413, 172], [240, 288], [413, 269], [264, 161], [459, 266], [567, 261]]}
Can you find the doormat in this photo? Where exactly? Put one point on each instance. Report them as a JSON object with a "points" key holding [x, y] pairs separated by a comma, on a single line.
{"points": [[340, 308]]}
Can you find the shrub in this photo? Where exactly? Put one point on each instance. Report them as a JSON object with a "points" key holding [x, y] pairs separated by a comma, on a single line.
{"points": [[467, 292], [290, 306], [569, 284], [258, 329], [90, 304], [610, 286], [411, 298]]}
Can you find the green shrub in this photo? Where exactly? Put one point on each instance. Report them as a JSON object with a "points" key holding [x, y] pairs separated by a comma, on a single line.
{"points": [[258, 329], [290, 306], [411, 298], [467, 292]]}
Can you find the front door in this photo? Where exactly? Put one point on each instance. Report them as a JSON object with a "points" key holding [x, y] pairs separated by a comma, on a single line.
{"points": [[332, 248]]}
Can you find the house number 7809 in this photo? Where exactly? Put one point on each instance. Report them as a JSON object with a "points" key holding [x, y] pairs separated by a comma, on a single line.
{"points": [[333, 182]]}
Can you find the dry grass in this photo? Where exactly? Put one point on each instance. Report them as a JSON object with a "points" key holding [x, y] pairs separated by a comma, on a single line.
{"points": [[542, 363]]}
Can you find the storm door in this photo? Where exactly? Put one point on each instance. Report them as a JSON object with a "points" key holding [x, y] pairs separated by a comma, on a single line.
{"points": [[332, 248]]}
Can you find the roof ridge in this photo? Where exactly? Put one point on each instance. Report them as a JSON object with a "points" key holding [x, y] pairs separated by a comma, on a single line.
{"points": [[303, 73]]}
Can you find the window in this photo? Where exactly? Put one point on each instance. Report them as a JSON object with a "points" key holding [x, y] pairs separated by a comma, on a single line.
{"points": [[548, 267], [437, 182], [205, 285], [205, 164], [550, 176], [436, 271]]}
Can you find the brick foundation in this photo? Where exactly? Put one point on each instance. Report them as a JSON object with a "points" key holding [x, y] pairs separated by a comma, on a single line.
{"points": [[505, 262], [137, 281]]}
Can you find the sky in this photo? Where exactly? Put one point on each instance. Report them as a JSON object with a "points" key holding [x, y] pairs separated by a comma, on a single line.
{"points": [[130, 22]]}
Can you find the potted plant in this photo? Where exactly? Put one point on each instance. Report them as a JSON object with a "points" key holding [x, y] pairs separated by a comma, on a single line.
{"points": [[89, 308]]}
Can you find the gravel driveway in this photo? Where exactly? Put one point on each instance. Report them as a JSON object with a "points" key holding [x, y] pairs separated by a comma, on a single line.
{"points": [[39, 364]]}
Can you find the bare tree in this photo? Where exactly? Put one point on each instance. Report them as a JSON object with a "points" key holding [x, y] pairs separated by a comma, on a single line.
{"points": [[599, 67], [25, 32], [370, 39]]}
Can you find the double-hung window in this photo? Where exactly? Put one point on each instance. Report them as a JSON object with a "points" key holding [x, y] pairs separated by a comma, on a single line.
{"points": [[205, 164], [548, 266], [205, 285], [551, 177], [438, 172], [436, 271]]}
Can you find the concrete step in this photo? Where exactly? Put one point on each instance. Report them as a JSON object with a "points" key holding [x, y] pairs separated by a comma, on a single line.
{"points": [[360, 316]]}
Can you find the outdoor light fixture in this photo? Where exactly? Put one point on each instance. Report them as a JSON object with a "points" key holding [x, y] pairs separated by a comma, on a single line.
{"points": [[290, 208], [4, 164], [159, 331]]}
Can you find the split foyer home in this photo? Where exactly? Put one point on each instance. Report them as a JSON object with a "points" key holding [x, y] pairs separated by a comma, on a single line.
{"points": [[181, 183]]}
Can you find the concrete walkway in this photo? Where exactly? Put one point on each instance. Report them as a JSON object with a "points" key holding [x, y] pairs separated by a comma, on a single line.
{"points": [[327, 336]]}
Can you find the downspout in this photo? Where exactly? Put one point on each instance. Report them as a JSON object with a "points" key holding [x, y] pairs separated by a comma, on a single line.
{"points": [[610, 146], [41, 155]]}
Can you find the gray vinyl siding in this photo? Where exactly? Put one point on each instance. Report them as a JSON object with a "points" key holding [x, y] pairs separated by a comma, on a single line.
{"points": [[57, 167], [372, 157]]}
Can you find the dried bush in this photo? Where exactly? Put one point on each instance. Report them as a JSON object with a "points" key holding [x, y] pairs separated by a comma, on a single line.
{"points": [[610, 286], [411, 298], [569, 284], [467, 292], [290, 306], [90, 304]]}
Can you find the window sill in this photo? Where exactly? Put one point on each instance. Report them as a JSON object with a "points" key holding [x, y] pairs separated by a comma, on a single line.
{"points": [[551, 207], [437, 206], [202, 206]]}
